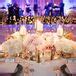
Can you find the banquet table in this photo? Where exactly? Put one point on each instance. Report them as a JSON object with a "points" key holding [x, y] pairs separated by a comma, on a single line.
{"points": [[72, 68], [6, 69]]}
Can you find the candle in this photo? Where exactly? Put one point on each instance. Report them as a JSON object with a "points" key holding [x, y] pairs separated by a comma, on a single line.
{"points": [[38, 26], [60, 31]]}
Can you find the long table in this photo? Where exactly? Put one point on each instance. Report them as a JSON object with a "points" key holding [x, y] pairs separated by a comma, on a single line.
{"points": [[72, 67], [6, 69]]}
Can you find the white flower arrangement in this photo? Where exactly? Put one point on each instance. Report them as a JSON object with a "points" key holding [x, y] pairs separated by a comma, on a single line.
{"points": [[12, 46], [33, 42]]}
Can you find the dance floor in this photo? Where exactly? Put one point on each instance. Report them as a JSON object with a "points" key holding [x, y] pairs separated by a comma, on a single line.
{"points": [[6, 30]]}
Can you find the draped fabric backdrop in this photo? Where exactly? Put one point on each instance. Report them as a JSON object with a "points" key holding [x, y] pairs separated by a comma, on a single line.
{"points": [[41, 3], [5, 3]]}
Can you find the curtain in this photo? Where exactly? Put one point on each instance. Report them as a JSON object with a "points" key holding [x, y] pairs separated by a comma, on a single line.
{"points": [[41, 3]]}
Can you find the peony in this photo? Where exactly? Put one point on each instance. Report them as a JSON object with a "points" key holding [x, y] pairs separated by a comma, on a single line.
{"points": [[12, 46]]}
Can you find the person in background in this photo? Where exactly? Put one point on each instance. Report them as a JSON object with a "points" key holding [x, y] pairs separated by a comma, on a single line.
{"points": [[20, 12], [10, 13], [35, 8], [46, 9], [61, 9], [50, 5], [16, 11], [28, 9]]}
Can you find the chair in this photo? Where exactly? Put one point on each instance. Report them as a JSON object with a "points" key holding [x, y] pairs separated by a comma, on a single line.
{"points": [[18, 71], [65, 71]]}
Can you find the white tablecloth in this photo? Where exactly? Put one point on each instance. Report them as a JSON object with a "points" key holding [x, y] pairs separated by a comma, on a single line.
{"points": [[71, 67], [7, 67]]}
